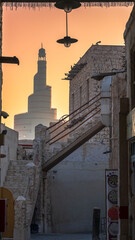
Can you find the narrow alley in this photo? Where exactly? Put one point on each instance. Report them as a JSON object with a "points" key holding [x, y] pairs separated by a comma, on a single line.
{"points": [[79, 236]]}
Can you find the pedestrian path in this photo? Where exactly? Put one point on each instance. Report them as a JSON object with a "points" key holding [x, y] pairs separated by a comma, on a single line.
{"points": [[80, 236]]}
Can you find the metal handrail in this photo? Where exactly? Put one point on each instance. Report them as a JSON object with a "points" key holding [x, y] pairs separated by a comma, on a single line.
{"points": [[74, 116], [67, 121], [75, 128], [74, 111]]}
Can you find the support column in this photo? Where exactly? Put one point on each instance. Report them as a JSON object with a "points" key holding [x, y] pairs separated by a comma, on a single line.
{"points": [[123, 169], [21, 229]]}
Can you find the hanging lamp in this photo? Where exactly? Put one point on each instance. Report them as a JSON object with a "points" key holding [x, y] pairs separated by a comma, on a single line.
{"points": [[68, 5], [67, 41]]}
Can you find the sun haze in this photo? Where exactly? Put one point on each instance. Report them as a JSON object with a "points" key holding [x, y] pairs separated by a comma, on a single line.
{"points": [[23, 32]]}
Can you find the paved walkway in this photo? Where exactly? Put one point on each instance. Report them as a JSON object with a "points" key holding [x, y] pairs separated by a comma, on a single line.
{"points": [[81, 236]]}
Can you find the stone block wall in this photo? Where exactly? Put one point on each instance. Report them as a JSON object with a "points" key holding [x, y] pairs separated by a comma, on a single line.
{"points": [[99, 59], [129, 36], [126, 166], [73, 188], [76, 185]]}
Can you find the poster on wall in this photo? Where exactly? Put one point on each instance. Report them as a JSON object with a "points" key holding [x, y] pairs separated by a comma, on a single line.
{"points": [[112, 210]]}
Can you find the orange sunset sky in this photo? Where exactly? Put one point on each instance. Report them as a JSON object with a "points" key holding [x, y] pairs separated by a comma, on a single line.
{"points": [[23, 32]]}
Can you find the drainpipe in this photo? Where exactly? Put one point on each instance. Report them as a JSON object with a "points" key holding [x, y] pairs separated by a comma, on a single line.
{"points": [[106, 110]]}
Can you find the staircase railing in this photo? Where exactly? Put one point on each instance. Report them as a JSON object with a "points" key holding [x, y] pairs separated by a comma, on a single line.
{"points": [[70, 123]]}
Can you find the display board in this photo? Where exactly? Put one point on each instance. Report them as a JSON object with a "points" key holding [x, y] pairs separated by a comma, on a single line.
{"points": [[112, 210]]}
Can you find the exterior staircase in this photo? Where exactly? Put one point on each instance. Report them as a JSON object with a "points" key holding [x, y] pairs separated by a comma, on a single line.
{"points": [[23, 180], [17, 179], [24, 176], [73, 142], [82, 125]]}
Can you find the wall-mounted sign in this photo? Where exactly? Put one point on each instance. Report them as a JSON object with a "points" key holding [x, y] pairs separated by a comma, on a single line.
{"points": [[112, 210], [113, 196]]}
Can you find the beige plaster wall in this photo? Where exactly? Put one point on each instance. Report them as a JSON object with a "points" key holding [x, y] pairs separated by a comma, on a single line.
{"points": [[9, 149]]}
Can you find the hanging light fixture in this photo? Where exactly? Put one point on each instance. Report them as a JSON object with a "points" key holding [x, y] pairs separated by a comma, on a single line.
{"points": [[67, 41], [67, 5]]}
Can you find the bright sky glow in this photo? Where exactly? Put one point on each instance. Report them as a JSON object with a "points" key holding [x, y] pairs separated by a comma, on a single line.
{"points": [[23, 32]]}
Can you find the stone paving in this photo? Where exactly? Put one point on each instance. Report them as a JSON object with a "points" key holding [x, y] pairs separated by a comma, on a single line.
{"points": [[80, 236]]}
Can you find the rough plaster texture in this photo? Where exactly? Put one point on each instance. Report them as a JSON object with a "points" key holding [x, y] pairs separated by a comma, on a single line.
{"points": [[119, 82], [128, 228], [9, 149], [129, 36], [23, 180], [75, 186], [67, 196], [99, 59]]}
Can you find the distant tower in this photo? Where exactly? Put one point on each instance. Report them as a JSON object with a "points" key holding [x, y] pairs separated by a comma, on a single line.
{"points": [[39, 103], [40, 82]]}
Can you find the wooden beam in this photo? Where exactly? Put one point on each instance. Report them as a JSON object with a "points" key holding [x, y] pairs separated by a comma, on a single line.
{"points": [[123, 169], [47, 1]]}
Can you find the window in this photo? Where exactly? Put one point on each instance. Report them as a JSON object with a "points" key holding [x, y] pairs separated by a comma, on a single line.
{"points": [[80, 96], [87, 90], [73, 102], [132, 79], [133, 148]]}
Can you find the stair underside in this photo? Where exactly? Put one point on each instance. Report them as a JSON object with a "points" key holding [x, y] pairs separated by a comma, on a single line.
{"points": [[54, 160]]}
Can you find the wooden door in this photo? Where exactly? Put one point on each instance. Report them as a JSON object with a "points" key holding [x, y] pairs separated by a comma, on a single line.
{"points": [[6, 194]]}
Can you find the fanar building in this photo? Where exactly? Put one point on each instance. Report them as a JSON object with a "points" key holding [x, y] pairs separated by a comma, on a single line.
{"points": [[39, 103]]}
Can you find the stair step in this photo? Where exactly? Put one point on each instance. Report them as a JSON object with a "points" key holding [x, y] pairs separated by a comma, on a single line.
{"points": [[14, 188], [14, 172], [17, 167], [15, 178], [20, 162], [18, 191], [7, 238], [11, 184]]}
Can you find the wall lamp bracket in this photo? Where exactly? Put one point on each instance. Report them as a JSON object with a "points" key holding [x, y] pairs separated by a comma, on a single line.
{"points": [[12, 60]]}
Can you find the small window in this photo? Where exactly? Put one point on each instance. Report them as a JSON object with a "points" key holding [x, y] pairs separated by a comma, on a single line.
{"points": [[87, 90], [73, 102], [132, 79], [133, 148], [80, 96]]}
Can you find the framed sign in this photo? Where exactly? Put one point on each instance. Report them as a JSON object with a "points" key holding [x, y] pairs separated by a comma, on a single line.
{"points": [[112, 210]]}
